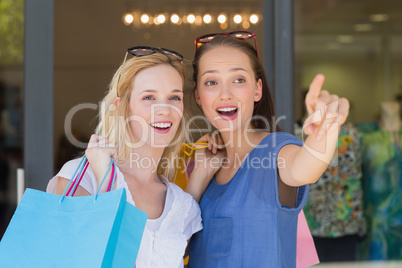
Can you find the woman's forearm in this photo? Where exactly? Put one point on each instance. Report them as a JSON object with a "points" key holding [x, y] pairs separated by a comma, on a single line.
{"points": [[304, 165]]}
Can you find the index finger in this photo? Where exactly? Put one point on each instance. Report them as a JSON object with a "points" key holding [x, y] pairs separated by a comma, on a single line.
{"points": [[314, 92]]}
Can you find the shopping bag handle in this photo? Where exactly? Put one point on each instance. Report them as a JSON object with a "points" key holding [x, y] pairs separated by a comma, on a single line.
{"points": [[77, 182], [111, 182], [82, 167]]}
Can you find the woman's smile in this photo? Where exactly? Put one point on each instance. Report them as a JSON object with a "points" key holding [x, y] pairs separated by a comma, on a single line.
{"points": [[227, 112], [162, 126]]}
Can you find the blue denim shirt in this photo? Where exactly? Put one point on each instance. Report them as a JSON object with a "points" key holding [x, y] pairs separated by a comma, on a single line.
{"points": [[244, 223]]}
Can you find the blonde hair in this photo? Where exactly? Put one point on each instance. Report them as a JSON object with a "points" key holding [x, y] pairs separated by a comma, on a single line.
{"points": [[116, 130]]}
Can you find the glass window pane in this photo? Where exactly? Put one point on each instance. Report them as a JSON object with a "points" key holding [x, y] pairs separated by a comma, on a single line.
{"points": [[11, 104]]}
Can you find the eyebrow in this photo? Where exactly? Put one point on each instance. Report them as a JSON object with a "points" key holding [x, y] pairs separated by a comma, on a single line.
{"points": [[154, 91], [231, 70]]}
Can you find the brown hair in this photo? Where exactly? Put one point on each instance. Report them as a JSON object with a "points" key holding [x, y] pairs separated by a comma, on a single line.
{"points": [[264, 112]]}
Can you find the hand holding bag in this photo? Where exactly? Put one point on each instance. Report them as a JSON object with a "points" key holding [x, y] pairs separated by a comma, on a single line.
{"points": [[48, 230]]}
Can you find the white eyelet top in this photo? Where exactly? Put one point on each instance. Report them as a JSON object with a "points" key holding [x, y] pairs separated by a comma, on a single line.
{"points": [[165, 239]]}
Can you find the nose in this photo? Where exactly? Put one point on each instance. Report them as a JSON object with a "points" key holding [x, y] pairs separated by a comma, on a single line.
{"points": [[225, 93], [162, 109]]}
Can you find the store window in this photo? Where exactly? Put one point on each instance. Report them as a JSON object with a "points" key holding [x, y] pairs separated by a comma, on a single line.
{"points": [[11, 97], [357, 45], [89, 45]]}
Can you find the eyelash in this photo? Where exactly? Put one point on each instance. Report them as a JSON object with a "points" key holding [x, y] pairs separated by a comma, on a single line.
{"points": [[176, 98], [148, 98], [213, 83]]}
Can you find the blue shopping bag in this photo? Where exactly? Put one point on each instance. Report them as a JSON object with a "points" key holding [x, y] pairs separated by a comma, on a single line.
{"points": [[49, 230]]}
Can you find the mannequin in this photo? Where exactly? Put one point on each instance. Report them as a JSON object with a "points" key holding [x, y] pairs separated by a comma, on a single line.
{"points": [[390, 118], [382, 166]]}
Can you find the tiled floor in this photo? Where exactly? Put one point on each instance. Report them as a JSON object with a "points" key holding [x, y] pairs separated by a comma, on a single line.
{"points": [[373, 264]]}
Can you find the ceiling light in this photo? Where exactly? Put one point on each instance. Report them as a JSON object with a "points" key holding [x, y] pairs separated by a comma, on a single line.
{"points": [[174, 18], [345, 38], [221, 18], [223, 26], [254, 19], [363, 27], [379, 17], [191, 18], [144, 18], [237, 18], [207, 18], [198, 20], [128, 19], [246, 24], [161, 18]]}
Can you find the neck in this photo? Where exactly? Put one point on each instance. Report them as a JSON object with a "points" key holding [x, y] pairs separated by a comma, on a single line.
{"points": [[142, 163]]}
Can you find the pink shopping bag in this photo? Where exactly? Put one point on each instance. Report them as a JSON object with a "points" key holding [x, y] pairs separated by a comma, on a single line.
{"points": [[306, 254]]}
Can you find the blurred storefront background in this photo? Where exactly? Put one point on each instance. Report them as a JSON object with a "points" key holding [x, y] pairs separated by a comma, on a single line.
{"points": [[356, 44]]}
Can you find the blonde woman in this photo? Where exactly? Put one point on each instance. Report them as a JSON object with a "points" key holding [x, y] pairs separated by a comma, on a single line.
{"points": [[141, 127]]}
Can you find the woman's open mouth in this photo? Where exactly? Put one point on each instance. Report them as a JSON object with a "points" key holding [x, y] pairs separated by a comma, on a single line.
{"points": [[162, 127], [227, 112]]}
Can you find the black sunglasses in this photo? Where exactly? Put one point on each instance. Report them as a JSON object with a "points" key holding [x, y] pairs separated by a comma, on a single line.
{"points": [[140, 51], [242, 35]]}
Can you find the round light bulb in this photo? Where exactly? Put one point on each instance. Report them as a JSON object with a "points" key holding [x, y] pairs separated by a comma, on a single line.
{"points": [[237, 19], [254, 19], [246, 24], [198, 20], [144, 18], [161, 19], [207, 19], [191, 18], [223, 26], [174, 18], [221, 18], [128, 19]]}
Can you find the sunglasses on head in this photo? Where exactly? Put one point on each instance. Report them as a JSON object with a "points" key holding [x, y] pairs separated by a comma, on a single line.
{"points": [[140, 51], [241, 35]]}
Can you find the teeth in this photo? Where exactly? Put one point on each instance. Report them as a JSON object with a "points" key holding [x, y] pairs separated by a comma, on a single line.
{"points": [[161, 125], [227, 109]]}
